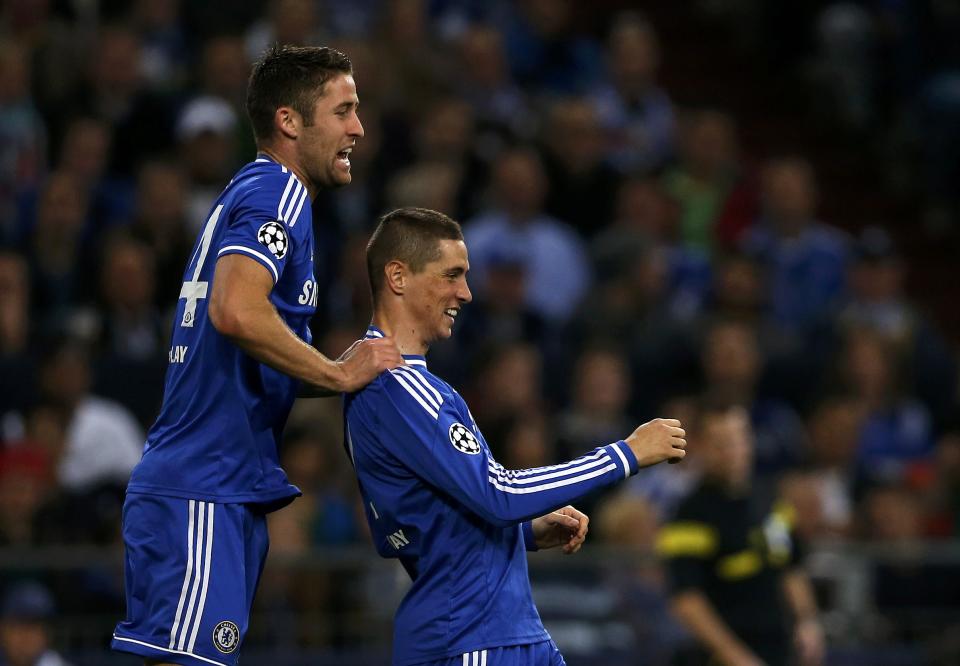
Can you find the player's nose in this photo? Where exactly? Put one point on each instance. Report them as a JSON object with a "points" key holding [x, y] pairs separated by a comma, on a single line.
{"points": [[464, 295], [356, 128]]}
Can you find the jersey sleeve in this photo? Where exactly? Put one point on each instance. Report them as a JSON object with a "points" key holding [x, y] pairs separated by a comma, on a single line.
{"points": [[261, 225], [427, 433]]}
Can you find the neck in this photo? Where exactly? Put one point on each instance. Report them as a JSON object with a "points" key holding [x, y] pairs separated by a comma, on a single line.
{"points": [[401, 328], [282, 157]]}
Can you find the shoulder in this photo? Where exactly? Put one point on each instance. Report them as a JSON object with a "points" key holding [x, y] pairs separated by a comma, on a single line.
{"points": [[272, 188]]}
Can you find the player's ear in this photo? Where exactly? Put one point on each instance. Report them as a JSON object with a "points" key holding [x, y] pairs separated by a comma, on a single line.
{"points": [[287, 122], [395, 273]]}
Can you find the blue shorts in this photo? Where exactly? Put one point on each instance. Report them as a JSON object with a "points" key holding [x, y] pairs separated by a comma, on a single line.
{"points": [[191, 571], [544, 653]]}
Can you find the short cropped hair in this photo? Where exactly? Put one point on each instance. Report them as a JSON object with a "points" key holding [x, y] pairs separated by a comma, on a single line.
{"points": [[410, 235], [291, 76]]}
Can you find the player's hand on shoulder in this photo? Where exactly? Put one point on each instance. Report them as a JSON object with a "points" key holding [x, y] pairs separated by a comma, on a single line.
{"points": [[658, 440], [365, 359]]}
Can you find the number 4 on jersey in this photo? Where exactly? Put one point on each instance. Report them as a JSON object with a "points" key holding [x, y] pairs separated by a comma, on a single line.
{"points": [[194, 290]]}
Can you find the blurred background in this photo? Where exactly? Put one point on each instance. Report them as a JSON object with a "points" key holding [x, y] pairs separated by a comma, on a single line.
{"points": [[662, 200]]}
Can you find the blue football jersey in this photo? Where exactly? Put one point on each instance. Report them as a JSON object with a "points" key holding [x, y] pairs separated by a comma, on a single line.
{"points": [[436, 499], [217, 435]]}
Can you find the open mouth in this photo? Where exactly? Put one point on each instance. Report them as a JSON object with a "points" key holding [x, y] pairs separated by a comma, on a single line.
{"points": [[344, 157], [452, 313]]}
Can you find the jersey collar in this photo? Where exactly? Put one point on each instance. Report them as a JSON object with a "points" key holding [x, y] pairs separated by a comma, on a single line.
{"points": [[411, 359]]}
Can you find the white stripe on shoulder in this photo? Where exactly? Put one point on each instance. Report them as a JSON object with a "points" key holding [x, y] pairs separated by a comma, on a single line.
{"points": [[416, 396], [374, 334], [254, 253], [416, 376], [483, 658], [298, 190], [261, 159], [286, 193], [296, 213], [418, 385], [626, 465], [555, 484]]}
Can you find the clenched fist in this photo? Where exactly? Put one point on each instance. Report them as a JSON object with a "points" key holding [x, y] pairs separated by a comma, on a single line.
{"points": [[658, 440]]}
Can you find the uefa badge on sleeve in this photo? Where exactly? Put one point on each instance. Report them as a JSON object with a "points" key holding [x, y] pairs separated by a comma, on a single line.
{"points": [[274, 237], [463, 440]]}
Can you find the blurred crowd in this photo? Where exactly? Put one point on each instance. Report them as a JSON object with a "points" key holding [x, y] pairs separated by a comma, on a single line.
{"points": [[628, 257]]}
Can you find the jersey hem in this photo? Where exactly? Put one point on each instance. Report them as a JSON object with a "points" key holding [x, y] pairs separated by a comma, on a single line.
{"points": [[473, 647], [291, 493]]}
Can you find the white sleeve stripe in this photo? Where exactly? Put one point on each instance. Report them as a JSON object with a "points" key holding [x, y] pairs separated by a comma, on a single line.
{"points": [[254, 253], [549, 468], [283, 200], [298, 189], [555, 484], [416, 396], [552, 475], [423, 380], [626, 466], [418, 385], [296, 213]]}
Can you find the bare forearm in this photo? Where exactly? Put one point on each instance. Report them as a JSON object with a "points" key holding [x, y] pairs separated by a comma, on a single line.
{"points": [[258, 329], [799, 594], [698, 615]]}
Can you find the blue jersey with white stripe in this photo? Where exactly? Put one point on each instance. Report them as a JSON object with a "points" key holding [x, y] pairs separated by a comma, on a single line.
{"points": [[217, 435], [436, 499]]}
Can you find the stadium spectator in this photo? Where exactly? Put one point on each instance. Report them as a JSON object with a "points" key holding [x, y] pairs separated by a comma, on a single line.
{"points": [[897, 431], [16, 360], [26, 613], [23, 140], [547, 51], [834, 427], [85, 155], [557, 270], [501, 107], [708, 182], [160, 222], [876, 300], [103, 439], [205, 130], [634, 111], [60, 273], [583, 186], [732, 366], [600, 394], [805, 260]]}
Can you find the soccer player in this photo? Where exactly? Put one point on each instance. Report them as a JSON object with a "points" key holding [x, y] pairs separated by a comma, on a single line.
{"points": [[434, 496], [194, 521]]}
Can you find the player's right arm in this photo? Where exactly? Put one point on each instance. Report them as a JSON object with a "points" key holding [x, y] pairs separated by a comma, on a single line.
{"points": [[240, 309], [434, 441]]}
